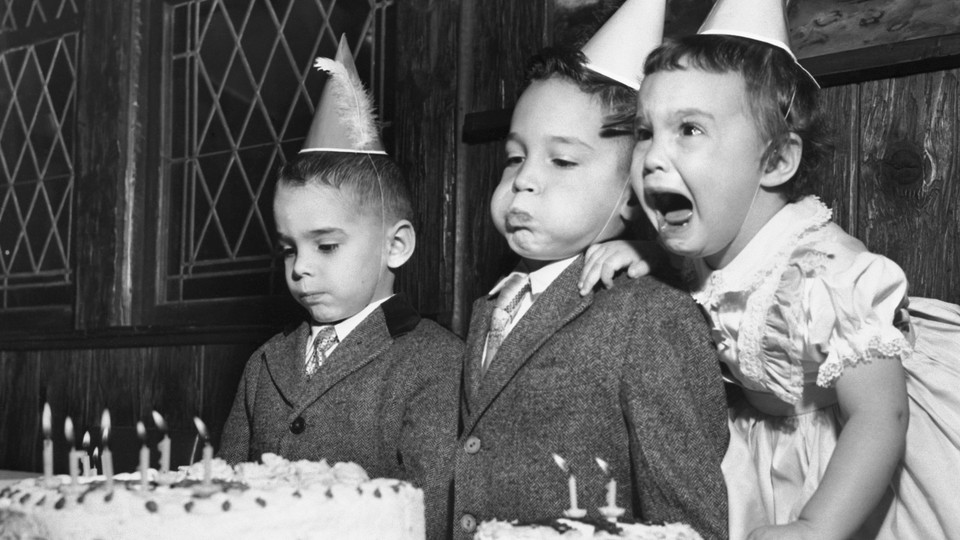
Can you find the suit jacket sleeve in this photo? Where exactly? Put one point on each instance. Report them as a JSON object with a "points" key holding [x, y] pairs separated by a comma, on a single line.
{"points": [[676, 412], [235, 440], [430, 423]]}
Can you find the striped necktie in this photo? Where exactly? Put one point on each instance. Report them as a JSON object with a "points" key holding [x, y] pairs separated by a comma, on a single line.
{"points": [[325, 340], [505, 308]]}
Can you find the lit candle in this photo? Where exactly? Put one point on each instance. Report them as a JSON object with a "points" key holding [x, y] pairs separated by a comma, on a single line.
{"points": [[47, 446], [164, 445], [207, 452], [573, 511], [106, 457], [144, 455], [73, 456], [85, 455], [611, 511], [95, 463]]}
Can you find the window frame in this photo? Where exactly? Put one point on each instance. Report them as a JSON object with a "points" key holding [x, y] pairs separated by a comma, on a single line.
{"points": [[119, 187]]}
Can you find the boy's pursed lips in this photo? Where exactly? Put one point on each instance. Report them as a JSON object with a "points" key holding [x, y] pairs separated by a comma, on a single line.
{"points": [[309, 297], [517, 219]]}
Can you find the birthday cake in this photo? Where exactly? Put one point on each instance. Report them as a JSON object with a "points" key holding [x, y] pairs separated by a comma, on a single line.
{"points": [[583, 529], [276, 499]]}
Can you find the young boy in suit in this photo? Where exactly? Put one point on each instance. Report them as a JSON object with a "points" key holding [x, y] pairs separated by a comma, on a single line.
{"points": [[363, 378], [626, 375]]}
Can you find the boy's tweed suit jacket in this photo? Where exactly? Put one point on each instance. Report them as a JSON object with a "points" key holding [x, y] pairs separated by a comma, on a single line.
{"points": [[386, 398], [628, 375]]}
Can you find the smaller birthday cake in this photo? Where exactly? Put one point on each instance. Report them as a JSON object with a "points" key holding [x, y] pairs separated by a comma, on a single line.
{"points": [[583, 529]]}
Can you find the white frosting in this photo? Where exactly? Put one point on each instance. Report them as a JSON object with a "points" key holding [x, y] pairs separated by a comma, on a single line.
{"points": [[276, 499], [578, 530]]}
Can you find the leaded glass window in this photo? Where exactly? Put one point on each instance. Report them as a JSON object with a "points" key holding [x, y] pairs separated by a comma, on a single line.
{"points": [[38, 85], [242, 91]]}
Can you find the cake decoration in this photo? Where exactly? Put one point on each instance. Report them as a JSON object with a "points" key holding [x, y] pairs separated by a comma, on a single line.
{"points": [[247, 501]]}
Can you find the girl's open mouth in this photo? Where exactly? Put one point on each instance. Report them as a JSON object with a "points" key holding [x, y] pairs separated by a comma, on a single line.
{"points": [[675, 208]]}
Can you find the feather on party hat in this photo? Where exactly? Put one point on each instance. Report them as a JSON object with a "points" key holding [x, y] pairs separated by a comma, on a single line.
{"points": [[620, 47], [345, 120]]}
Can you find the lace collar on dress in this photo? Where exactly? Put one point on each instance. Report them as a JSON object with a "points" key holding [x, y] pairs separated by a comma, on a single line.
{"points": [[758, 261]]}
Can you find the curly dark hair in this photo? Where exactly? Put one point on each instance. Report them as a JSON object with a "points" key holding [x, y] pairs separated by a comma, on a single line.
{"points": [[618, 101], [782, 96]]}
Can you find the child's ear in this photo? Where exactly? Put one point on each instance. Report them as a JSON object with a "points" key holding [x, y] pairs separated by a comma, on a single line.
{"points": [[784, 163], [403, 240], [631, 210]]}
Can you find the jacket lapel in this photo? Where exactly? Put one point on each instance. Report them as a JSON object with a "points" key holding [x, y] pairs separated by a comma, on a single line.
{"points": [[364, 344], [285, 362], [473, 355], [559, 304]]}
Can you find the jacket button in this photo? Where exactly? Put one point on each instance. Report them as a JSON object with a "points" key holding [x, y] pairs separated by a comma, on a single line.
{"points": [[468, 523], [297, 426], [472, 446]]}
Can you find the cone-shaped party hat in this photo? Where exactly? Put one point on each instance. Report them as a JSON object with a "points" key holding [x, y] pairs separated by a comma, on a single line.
{"points": [[760, 20], [622, 44], [344, 120]]}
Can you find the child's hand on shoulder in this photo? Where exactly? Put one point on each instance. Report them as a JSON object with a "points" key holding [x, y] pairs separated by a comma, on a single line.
{"points": [[604, 261]]}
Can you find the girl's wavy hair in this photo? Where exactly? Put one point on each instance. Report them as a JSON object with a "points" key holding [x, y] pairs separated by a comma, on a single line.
{"points": [[781, 96], [618, 101]]}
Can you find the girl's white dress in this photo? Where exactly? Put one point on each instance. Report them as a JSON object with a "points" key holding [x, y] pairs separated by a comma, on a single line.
{"points": [[801, 303]]}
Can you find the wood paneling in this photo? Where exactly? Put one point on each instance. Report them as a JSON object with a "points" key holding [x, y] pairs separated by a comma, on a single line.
{"points": [[109, 56], [20, 409], [179, 382], [909, 186], [836, 188], [426, 146]]}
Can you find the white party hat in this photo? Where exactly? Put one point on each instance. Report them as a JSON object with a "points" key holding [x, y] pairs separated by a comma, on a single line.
{"points": [[760, 20], [622, 44], [344, 120]]}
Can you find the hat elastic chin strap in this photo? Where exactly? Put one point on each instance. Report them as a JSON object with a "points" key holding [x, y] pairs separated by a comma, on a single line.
{"points": [[383, 223], [614, 212]]}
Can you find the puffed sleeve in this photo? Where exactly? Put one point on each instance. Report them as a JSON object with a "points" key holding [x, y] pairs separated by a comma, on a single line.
{"points": [[851, 312]]}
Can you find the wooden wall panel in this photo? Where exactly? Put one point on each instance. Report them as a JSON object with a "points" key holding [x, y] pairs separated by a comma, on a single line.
{"points": [[180, 382], [222, 370], [20, 410], [426, 145], [910, 179], [838, 187], [104, 194]]}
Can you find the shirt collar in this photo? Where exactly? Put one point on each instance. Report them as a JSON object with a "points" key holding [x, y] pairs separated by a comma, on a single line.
{"points": [[344, 327], [540, 278], [771, 246]]}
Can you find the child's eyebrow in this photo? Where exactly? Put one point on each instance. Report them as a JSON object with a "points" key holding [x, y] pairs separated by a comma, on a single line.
{"points": [[312, 234], [570, 140], [693, 112], [326, 231]]}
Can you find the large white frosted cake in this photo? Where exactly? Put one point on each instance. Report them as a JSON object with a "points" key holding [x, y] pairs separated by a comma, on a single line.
{"points": [[575, 529], [276, 499]]}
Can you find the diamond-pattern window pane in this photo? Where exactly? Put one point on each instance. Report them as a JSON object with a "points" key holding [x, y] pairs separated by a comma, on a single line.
{"points": [[37, 130], [243, 96]]}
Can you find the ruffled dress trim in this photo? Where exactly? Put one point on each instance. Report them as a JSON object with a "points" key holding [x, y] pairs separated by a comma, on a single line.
{"points": [[867, 347], [707, 291], [759, 273], [796, 221]]}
